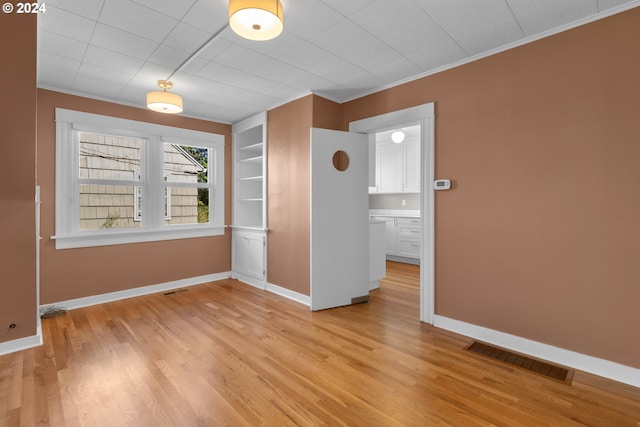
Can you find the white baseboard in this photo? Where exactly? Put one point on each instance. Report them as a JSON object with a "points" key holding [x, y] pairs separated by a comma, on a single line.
{"points": [[288, 293], [582, 362], [256, 283], [275, 289], [21, 344], [135, 292]]}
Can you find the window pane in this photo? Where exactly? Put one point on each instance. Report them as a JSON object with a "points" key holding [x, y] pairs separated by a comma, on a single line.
{"points": [[108, 206], [188, 205], [185, 163], [109, 157]]}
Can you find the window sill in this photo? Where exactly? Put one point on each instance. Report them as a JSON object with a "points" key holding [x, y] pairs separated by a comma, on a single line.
{"points": [[92, 239]]}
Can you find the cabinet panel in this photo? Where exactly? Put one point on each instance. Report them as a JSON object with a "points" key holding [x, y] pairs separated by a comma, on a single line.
{"points": [[389, 168], [389, 233], [249, 253], [403, 236], [397, 167], [408, 247], [412, 166], [408, 227]]}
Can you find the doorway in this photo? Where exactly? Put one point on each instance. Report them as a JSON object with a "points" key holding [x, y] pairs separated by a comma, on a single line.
{"points": [[424, 117]]}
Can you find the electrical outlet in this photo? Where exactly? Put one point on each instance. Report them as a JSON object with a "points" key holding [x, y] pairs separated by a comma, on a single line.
{"points": [[404, 202]]}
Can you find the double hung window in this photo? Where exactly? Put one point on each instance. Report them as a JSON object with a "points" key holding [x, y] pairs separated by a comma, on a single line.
{"points": [[121, 181]]}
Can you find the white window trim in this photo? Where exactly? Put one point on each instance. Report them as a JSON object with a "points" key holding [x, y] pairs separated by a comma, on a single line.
{"points": [[137, 209], [68, 233]]}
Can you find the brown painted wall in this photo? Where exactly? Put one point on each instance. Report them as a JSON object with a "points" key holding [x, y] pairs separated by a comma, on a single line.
{"points": [[288, 194], [288, 203], [326, 114], [539, 236], [75, 273], [18, 176]]}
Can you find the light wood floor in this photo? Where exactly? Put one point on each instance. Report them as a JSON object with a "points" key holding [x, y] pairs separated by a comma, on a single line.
{"points": [[228, 354]]}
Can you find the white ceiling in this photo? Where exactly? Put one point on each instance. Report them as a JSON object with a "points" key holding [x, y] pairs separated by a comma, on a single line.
{"points": [[116, 50]]}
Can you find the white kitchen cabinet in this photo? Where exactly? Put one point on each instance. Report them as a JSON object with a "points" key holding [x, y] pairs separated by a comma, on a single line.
{"points": [[389, 168], [408, 235], [389, 232], [412, 166], [403, 236], [248, 226], [377, 253], [397, 167]]}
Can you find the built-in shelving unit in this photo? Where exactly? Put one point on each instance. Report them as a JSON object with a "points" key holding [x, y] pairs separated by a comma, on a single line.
{"points": [[249, 138], [249, 225]]}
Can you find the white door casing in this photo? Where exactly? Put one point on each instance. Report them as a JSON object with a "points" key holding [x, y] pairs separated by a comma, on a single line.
{"points": [[425, 117]]}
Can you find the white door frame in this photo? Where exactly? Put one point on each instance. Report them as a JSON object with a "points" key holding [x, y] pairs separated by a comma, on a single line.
{"points": [[424, 115]]}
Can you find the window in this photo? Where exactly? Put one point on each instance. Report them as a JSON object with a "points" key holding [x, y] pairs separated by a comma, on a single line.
{"points": [[137, 216], [120, 181]]}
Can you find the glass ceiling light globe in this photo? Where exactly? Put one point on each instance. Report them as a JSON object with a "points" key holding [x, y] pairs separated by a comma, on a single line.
{"points": [[256, 19], [397, 136]]}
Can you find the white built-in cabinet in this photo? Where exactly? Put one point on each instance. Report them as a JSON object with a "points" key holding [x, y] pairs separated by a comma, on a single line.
{"points": [[408, 237], [397, 167], [249, 224], [402, 236]]}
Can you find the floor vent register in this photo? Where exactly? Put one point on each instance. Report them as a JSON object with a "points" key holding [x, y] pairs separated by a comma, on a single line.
{"points": [[540, 367]]}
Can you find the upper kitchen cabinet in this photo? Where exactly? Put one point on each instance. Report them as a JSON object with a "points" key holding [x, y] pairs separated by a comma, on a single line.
{"points": [[397, 164]]}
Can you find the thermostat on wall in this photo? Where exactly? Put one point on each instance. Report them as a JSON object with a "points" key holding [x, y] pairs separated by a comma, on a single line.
{"points": [[442, 184]]}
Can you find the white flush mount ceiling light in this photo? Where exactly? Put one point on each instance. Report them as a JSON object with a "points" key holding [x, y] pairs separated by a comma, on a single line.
{"points": [[256, 19], [397, 136], [164, 102]]}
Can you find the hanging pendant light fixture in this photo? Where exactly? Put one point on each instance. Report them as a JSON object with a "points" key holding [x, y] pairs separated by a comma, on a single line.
{"points": [[256, 19], [164, 102]]}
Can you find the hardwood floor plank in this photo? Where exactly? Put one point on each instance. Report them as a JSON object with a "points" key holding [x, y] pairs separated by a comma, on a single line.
{"points": [[226, 353]]}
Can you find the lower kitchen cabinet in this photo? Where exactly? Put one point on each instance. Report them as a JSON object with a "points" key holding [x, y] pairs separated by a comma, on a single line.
{"points": [[403, 236], [408, 235]]}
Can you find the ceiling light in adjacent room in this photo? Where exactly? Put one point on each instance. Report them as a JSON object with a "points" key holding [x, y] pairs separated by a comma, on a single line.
{"points": [[397, 136], [256, 19], [164, 102]]}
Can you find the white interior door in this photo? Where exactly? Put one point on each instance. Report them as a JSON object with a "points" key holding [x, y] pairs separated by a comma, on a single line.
{"points": [[339, 218]]}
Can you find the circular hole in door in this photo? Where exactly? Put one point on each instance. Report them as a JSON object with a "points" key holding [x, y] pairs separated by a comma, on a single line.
{"points": [[341, 160]]}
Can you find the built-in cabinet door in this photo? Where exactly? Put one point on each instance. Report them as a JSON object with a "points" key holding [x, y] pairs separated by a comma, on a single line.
{"points": [[389, 168], [249, 253], [409, 236], [256, 255], [408, 248], [391, 237], [412, 166], [389, 233], [397, 167], [402, 236]]}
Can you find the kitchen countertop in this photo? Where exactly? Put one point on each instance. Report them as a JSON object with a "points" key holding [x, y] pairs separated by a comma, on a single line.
{"points": [[405, 213]]}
